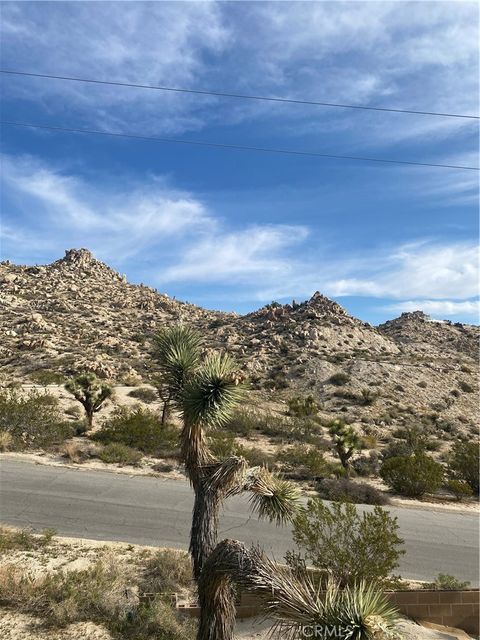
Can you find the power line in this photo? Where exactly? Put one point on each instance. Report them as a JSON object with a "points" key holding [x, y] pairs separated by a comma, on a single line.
{"points": [[238, 95], [238, 147]]}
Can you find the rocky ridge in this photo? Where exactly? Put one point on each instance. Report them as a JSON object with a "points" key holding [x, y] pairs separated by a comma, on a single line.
{"points": [[79, 314]]}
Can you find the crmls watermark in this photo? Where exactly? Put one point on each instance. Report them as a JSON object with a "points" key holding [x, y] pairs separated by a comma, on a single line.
{"points": [[323, 632]]}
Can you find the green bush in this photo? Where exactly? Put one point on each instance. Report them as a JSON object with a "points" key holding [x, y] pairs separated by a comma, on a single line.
{"points": [[446, 582], [223, 445], [304, 461], [24, 540], [344, 490], [145, 394], [463, 463], [466, 387], [244, 422], [339, 379], [412, 476], [116, 452], [459, 489], [301, 407], [141, 429], [33, 420], [352, 547]]}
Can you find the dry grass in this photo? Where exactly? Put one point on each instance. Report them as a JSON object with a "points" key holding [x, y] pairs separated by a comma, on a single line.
{"points": [[6, 440], [108, 592]]}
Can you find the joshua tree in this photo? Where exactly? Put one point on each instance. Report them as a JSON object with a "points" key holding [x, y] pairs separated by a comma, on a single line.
{"points": [[345, 440], [206, 390], [293, 601], [90, 392]]}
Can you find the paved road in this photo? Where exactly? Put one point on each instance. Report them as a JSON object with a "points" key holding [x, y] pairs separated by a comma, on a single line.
{"points": [[152, 511]]}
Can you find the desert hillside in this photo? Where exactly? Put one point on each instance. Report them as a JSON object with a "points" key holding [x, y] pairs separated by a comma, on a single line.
{"points": [[79, 314]]}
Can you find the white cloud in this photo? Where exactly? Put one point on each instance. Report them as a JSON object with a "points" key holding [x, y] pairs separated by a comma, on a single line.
{"points": [[182, 240], [419, 55], [418, 270], [440, 308], [251, 255], [114, 221]]}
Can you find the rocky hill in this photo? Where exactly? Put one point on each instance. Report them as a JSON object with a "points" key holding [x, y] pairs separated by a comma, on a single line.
{"points": [[79, 314]]}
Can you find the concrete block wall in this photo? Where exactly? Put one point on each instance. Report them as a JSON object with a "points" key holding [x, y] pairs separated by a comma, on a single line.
{"points": [[459, 609]]}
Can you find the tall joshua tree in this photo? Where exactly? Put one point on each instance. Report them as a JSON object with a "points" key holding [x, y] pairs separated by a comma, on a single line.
{"points": [[90, 392], [206, 390]]}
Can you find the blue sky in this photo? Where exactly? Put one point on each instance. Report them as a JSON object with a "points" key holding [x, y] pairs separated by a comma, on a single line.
{"points": [[235, 229]]}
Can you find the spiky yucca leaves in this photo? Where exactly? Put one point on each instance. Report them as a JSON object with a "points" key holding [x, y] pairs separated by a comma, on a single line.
{"points": [[210, 397], [294, 603], [272, 498], [90, 392], [178, 352]]}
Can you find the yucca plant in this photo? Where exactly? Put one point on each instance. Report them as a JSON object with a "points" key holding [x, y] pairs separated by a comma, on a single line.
{"points": [[296, 604]]}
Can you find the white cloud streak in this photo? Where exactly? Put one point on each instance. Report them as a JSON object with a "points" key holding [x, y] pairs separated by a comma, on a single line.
{"points": [[184, 241], [420, 55]]}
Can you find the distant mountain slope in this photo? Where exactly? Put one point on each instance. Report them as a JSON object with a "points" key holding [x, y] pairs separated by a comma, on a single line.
{"points": [[77, 313]]}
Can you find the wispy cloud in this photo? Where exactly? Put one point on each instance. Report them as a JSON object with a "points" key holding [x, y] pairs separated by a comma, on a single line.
{"points": [[180, 240], [419, 55]]}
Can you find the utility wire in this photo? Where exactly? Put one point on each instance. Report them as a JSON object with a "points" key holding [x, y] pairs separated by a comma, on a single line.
{"points": [[238, 95], [219, 145]]}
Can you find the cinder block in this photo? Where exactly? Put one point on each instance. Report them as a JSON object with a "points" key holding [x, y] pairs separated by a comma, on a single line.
{"points": [[440, 609], [428, 597], [452, 597], [404, 597], [471, 596], [418, 611]]}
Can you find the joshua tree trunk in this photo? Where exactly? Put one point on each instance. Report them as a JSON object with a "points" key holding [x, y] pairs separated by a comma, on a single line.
{"points": [[89, 415]]}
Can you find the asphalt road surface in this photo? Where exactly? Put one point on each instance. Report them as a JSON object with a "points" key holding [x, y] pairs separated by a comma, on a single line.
{"points": [[151, 511]]}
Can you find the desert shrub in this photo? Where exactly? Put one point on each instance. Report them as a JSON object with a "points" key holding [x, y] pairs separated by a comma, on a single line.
{"points": [[446, 582], [301, 407], [6, 440], [116, 452], [344, 490], [304, 461], [166, 571], [244, 422], [412, 476], [460, 489], [141, 429], [367, 465], [32, 420], [367, 397], [46, 377], [463, 463], [145, 394], [351, 546], [466, 387], [24, 540], [396, 448], [222, 443], [104, 593], [74, 411], [73, 452], [255, 456], [339, 379]]}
